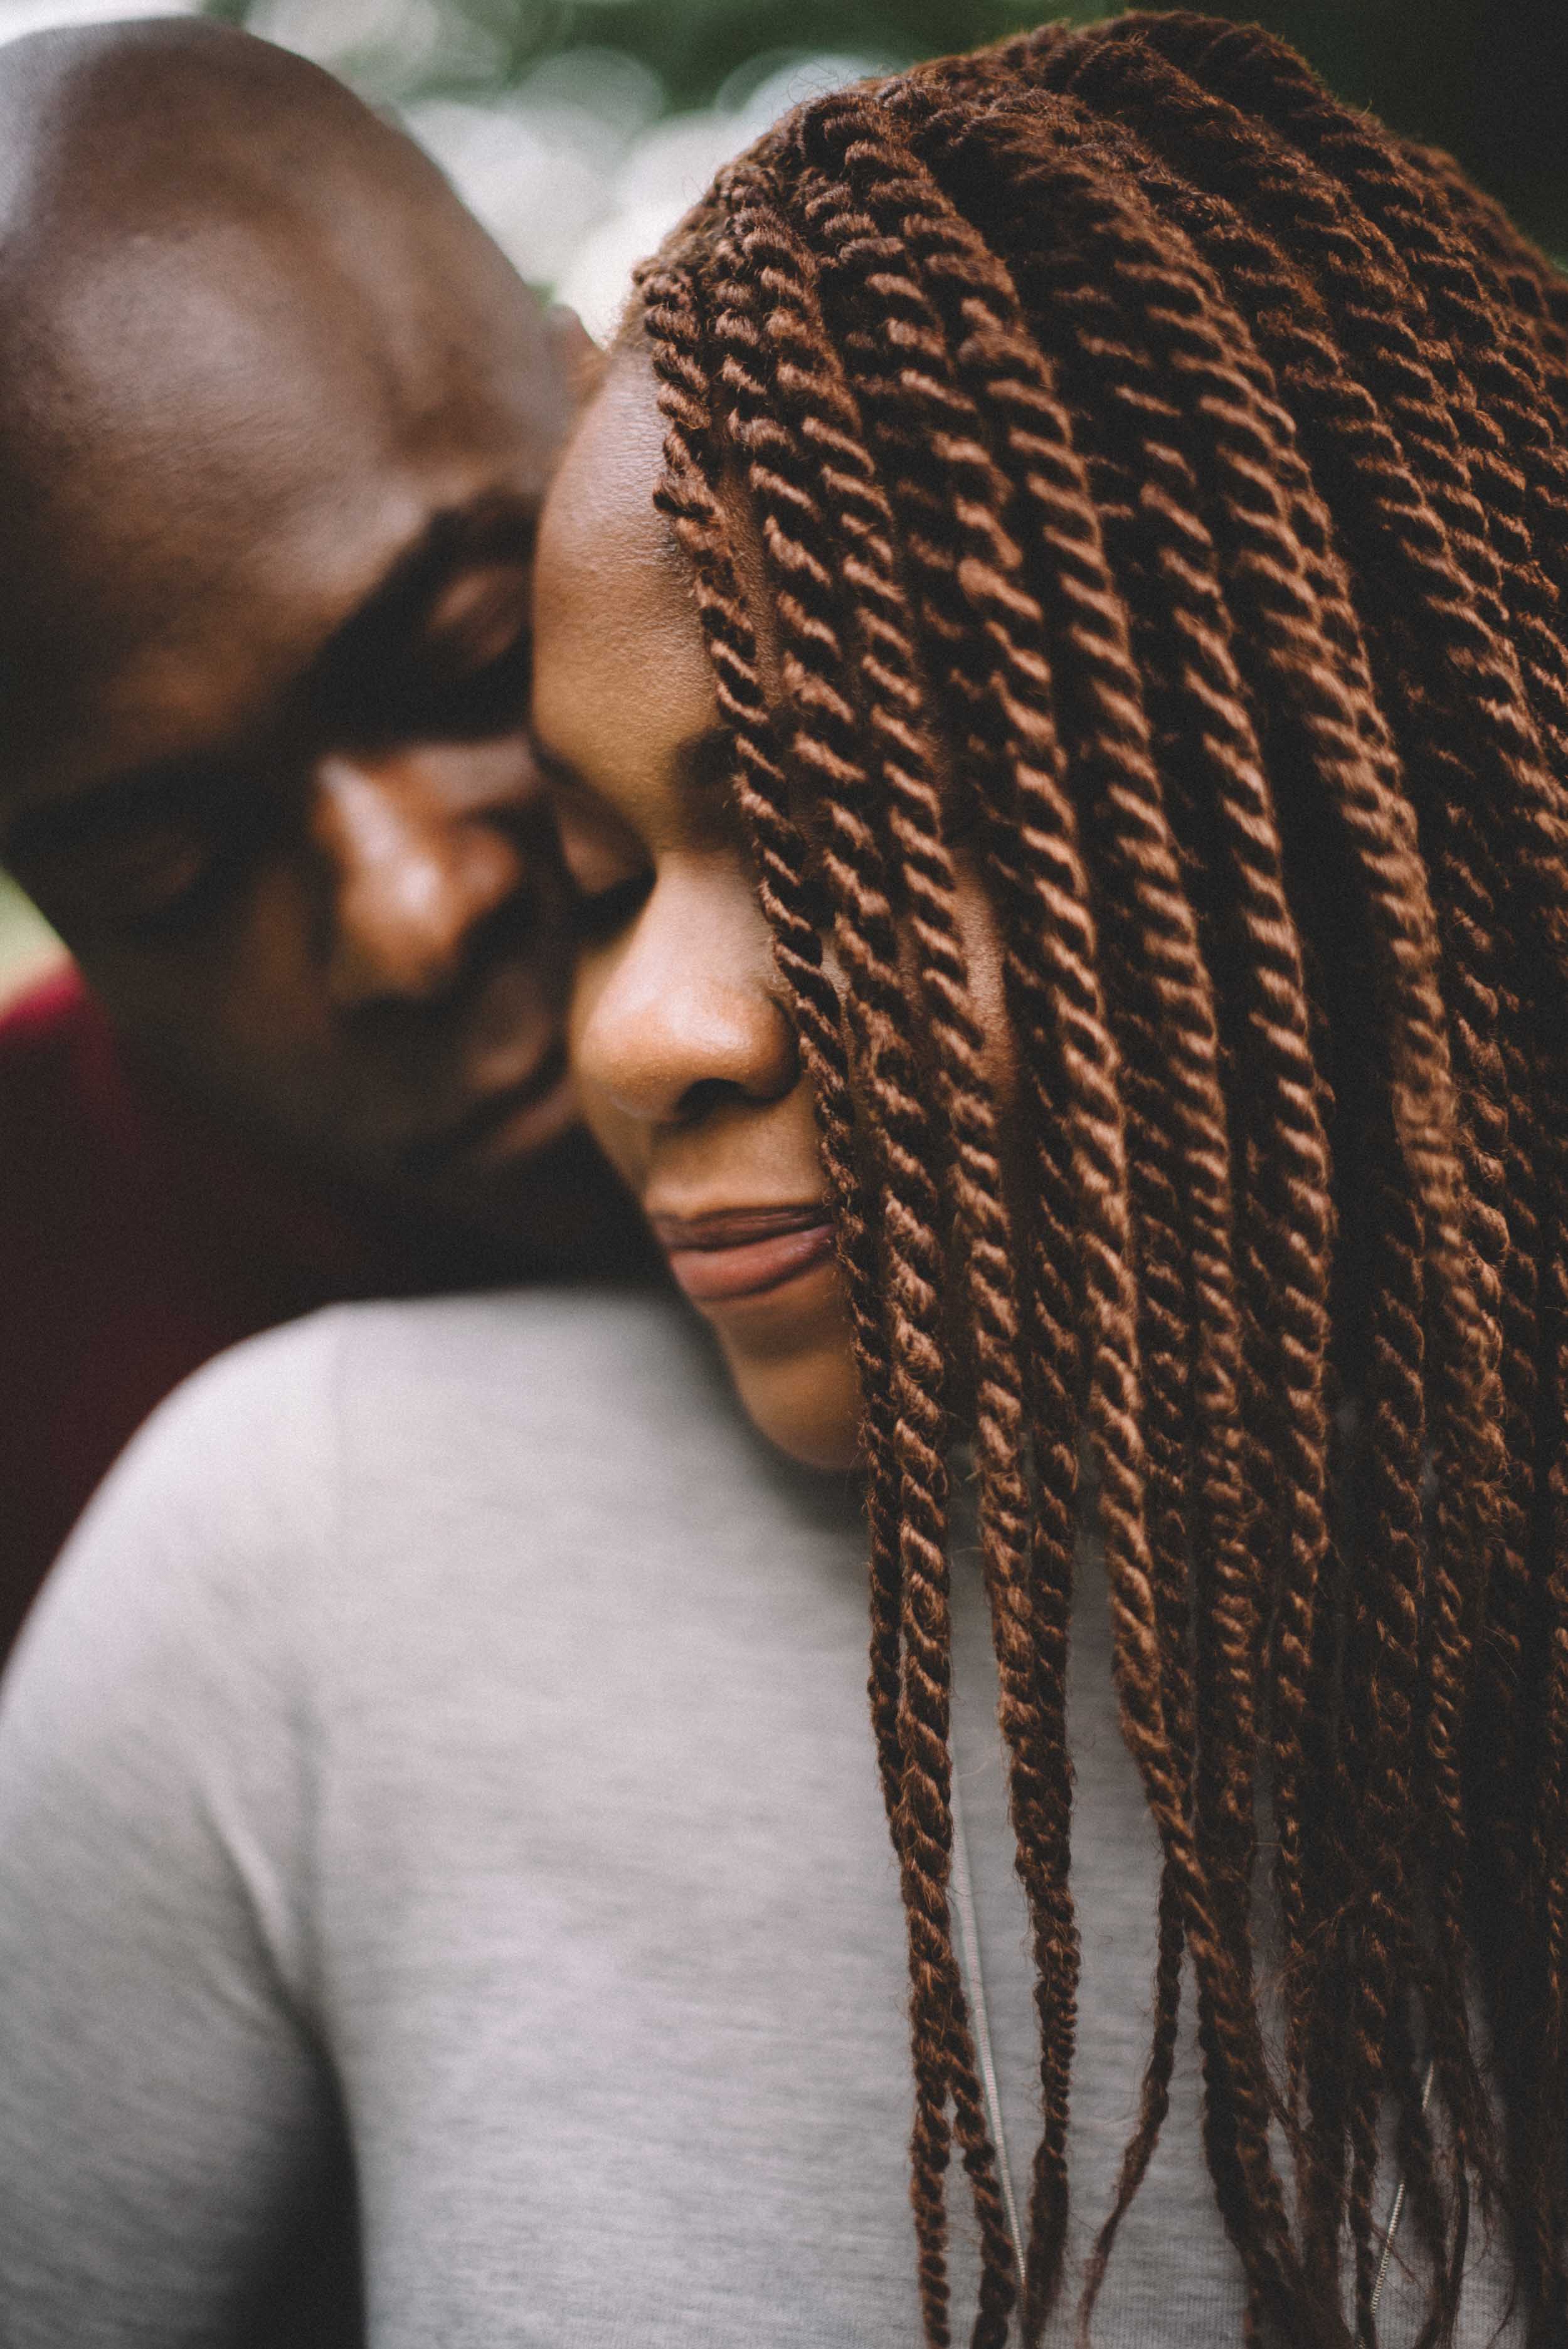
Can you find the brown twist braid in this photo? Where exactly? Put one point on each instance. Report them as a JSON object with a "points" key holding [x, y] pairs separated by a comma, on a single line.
{"points": [[1147, 868], [852, 862]]}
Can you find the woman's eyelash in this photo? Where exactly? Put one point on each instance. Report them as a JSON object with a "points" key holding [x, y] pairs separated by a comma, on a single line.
{"points": [[604, 912]]}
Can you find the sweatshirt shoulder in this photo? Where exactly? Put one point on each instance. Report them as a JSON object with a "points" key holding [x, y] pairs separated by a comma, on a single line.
{"points": [[252, 1430], [313, 1487], [268, 1464], [562, 1407], [547, 1367], [211, 1519]]}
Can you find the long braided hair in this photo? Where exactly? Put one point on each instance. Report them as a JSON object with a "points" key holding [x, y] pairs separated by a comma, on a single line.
{"points": [[1160, 481]]}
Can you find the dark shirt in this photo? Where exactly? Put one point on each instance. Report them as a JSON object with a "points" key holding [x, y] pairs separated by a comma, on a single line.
{"points": [[138, 1237]]}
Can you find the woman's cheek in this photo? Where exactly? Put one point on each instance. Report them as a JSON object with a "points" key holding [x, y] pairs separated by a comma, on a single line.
{"points": [[612, 1130]]}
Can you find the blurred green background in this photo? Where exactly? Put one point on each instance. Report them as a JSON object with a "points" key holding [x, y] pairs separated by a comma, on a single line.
{"points": [[580, 130], [1486, 77]]}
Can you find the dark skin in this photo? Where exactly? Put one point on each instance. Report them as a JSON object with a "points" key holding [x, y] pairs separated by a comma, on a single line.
{"points": [[275, 421]]}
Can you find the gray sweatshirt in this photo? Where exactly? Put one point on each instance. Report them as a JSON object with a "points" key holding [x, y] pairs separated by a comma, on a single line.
{"points": [[444, 1897]]}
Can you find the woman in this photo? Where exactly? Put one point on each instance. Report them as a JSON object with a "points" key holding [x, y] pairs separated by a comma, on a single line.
{"points": [[1125, 506], [1123, 491], [1049, 658]]}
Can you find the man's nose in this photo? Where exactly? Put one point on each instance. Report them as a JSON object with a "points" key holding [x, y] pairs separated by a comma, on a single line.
{"points": [[412, 877], [683, 1017]]}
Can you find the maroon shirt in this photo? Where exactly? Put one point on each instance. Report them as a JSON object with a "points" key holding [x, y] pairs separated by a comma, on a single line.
{"points": [[139, 1237]]}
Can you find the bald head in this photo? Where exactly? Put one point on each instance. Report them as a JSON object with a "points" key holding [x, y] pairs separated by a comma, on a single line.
{"points": [[232, 292], [156, 111]]}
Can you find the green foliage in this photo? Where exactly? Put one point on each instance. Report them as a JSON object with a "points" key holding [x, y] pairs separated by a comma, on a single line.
{"points": [[696, 46], [1487, 78]]}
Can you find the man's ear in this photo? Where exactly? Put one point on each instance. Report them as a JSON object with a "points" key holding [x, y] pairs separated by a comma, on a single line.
{"points": [[577, 355]]}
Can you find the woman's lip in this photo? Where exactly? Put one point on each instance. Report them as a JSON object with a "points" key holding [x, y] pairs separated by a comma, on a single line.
{"points": [[732, 1252], [723, 1227], [717, 1272]]}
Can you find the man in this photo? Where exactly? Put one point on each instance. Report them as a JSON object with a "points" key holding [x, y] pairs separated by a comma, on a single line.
{"points": [[275, 416]]}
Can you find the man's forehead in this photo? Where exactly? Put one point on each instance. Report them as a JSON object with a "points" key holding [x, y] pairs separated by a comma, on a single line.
{"points": [[131, 121], [232, 331]]}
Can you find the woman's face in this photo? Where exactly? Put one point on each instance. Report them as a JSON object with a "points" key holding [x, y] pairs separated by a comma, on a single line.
{"points": [[686, 1065]]}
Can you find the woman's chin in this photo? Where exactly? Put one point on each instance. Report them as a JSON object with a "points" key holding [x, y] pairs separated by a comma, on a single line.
{"points": [[807, 1403]]}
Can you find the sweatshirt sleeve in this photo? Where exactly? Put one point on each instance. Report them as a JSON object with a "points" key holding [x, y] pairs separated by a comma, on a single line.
{"points": [[172, 2167]]}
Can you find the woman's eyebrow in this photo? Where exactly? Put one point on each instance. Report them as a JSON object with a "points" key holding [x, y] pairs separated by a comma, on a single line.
{"points": [[702, 769]]}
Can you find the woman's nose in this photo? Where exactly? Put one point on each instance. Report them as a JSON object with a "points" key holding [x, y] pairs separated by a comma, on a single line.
{"points": [[412, 879], [681, 1017]]}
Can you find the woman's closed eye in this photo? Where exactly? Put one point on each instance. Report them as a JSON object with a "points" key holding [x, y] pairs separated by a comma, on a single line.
{"points": [[606, 863]]}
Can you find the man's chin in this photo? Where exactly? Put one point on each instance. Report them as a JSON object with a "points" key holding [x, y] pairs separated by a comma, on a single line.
{"points": [[505, 1192]]}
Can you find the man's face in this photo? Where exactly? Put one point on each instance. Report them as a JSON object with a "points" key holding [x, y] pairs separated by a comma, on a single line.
{"points": [[264, 674]]}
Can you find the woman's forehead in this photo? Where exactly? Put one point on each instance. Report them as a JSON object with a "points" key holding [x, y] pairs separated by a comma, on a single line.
{"points": [[621, 674], [600, 510]]}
